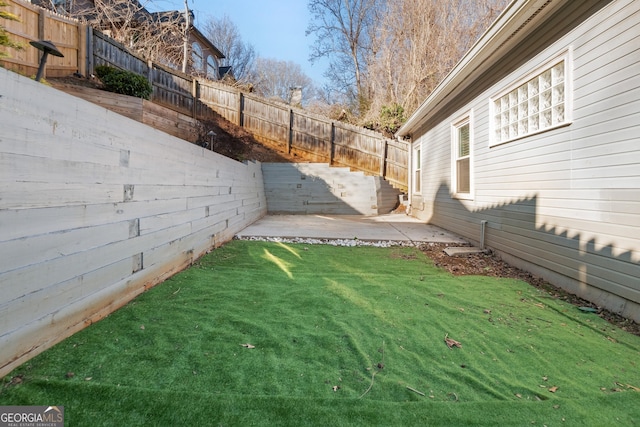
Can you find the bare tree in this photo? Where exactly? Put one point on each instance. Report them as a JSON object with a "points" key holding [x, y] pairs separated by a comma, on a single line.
{"points": [[343, 30], [418, 42], [158, 37], [281, 80], [240, 56]]}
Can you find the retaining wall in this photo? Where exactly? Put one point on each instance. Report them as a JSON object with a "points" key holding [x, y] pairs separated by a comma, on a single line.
{"points": [[317, 188], [95, 208]]}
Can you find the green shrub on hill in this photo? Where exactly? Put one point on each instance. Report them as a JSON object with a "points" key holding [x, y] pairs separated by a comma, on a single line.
{"points": [[124, 82]]}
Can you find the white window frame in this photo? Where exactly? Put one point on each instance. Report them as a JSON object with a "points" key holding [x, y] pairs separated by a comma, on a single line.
{"points": [[416, 183], [197, 56], [519, 110], [464, 120], [212, 68]]}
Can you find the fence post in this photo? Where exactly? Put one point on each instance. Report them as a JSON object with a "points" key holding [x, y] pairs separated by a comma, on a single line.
{"points": [[42, 19], [290, 140], [91, 61], [383, 160], [41, 23], [194, 94], [240, 108], [332, 140], [82, 49]]}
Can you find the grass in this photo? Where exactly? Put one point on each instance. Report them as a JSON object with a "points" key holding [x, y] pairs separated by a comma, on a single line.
{"points": [[342, 336]]}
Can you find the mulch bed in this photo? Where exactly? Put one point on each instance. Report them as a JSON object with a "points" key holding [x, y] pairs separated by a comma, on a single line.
{"points": [[488, 264]]}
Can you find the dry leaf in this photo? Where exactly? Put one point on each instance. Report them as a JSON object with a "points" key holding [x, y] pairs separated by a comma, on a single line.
{"points": [[142, 327], [553, 389], [248, 345], [336, 387], [451, 342], [518, 395], [628, 386]]}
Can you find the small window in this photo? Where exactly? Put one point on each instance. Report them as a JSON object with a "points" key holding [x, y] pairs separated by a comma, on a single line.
{"points": [[417, 170], [461, 155], [212, 68], [197, 57], [538, 104]]}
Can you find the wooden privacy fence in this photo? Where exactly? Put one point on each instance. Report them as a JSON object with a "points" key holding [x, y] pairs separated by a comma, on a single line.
{"points": [[35, 23], [274, 123]]}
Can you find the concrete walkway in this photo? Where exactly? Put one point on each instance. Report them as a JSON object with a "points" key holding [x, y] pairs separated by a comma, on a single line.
{"points": [[391, 227]]}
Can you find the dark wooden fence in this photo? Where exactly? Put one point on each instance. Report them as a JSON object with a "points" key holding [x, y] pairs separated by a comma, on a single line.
{"points": [[274, 123]]}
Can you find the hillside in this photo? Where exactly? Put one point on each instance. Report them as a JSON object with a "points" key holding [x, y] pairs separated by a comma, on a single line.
{"points": [[230, 141]]}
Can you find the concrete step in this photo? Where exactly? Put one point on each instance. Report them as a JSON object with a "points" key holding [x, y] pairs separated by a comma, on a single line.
{"points": [[308, 188]]}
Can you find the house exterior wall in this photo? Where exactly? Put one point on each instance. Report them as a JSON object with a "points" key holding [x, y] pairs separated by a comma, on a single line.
{"points": [[204, 61], [564, 203], [95, 208]]}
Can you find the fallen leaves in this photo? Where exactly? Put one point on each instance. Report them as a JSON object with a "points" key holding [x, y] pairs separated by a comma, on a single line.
{"points": [[451, 342], [553, 389], [248, 345], [629, 386], [416, 391]]}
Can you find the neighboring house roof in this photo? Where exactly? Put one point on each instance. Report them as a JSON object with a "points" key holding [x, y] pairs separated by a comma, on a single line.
{"points": [[176, 16], [202, 38], [517, 21]]}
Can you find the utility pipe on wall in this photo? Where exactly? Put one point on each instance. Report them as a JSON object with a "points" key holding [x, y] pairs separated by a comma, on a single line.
{"points": [[483, 229]]}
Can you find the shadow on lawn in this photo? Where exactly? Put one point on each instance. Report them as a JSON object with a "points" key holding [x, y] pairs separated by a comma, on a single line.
{"points": [[601, 273]]}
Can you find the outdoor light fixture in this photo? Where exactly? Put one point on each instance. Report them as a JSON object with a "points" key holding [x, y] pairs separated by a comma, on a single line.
{"points": [[47, 48], [212, 135]]}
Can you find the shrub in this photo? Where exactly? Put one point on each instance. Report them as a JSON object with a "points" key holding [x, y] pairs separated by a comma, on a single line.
{"points": [[103, 70], [391, 118], [124, 82]]}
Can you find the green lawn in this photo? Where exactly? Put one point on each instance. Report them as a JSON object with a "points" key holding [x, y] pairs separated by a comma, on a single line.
{"points": [[341, 336]]}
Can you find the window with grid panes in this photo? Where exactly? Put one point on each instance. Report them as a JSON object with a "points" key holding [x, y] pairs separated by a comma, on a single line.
{"points": [[536, 105], [462, 161], [417, 170]]}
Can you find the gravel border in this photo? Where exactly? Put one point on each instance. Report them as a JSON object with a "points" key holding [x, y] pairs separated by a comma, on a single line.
{"points": [[332, 242]]}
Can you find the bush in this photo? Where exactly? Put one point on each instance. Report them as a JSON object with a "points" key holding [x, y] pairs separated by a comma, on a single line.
{"points": [[103, 70], [124, 82], [391, 118]]}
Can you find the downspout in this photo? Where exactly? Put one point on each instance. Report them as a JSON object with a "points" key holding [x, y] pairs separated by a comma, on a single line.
{"points": [[483, 230]]}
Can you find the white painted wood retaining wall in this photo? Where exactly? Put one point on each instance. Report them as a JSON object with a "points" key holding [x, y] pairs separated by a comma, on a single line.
{"points": [[95, 208], [564, 204]]}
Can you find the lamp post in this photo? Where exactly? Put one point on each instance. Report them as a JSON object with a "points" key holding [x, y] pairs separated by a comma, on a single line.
{"points": [[47, 48], [212, 137]]}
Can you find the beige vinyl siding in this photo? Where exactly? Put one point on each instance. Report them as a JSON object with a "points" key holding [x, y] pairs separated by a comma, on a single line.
{"points": [[565, 202]]}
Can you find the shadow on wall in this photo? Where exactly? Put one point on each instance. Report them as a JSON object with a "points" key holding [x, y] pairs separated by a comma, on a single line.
{"points": [[317, 188], [598, 272]]}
